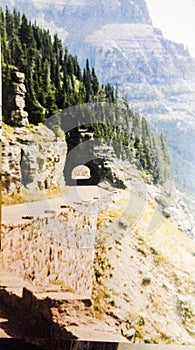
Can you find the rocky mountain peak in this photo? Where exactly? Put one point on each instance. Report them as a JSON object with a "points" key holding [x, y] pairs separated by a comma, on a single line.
{"points": [[121, 11], [91, 14]]}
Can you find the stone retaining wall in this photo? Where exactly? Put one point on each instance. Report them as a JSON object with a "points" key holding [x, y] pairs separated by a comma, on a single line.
{"points": [[57, 249]]}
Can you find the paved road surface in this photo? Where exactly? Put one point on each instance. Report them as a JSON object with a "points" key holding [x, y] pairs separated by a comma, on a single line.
{"points": [[84, 198]]}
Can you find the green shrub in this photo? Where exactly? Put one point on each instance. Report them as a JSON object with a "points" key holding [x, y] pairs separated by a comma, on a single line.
{"points": [[161, 201]]}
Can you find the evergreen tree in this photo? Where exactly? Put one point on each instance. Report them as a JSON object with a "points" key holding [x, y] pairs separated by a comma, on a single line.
{"points": [[95, 83]]}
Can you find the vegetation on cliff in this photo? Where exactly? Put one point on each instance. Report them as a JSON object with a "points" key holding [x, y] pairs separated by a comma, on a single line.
{"points": [[55, 82]]}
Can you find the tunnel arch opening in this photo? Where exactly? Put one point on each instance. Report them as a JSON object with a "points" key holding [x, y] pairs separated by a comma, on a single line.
{"points": [[89, 173], [81, 172]]}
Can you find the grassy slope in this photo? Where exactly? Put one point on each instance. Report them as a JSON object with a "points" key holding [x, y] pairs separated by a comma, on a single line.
{"points": [[148, 278]]}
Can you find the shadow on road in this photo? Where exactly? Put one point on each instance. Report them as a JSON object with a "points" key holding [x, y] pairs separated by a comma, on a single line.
{"points": [[30, 320], [17, 344]]}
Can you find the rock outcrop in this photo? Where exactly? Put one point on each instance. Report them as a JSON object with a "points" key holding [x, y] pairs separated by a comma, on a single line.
{"points": [[32, 158], [19, 117], [14, 93]]}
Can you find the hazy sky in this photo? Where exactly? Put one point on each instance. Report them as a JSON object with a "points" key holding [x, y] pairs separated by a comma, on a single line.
{"points": [[176, 19]]}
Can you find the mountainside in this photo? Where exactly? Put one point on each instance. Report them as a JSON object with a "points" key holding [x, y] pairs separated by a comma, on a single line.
{"points": [[106, 12], [117, 37], [142, 275], [54, 85], [157, 75]]}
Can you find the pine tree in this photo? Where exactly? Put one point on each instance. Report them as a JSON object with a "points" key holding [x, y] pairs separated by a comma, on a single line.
{"points": [[95, 83]]}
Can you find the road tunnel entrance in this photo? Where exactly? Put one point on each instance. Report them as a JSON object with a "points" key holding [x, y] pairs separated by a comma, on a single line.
{"points": [[81, 172], [89, 173]]}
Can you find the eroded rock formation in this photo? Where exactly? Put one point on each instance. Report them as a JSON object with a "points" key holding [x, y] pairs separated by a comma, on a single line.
{"points": [[19, 117], [32, 158]]}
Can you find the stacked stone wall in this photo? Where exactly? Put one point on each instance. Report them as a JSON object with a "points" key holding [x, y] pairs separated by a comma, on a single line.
{"points": [[56, 249]]}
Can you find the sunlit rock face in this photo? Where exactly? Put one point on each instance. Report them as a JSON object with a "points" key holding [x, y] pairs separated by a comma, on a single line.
{"points": [[134, 53]]}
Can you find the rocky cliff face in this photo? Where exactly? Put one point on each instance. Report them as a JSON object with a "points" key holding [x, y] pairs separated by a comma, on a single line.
{"points": [[32, 159], [126, 53], [14, 97], [80, 12]]}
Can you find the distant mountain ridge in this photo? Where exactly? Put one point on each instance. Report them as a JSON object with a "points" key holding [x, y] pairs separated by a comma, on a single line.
{"points": [[134, 53], [134, 11], [116, 36]]}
